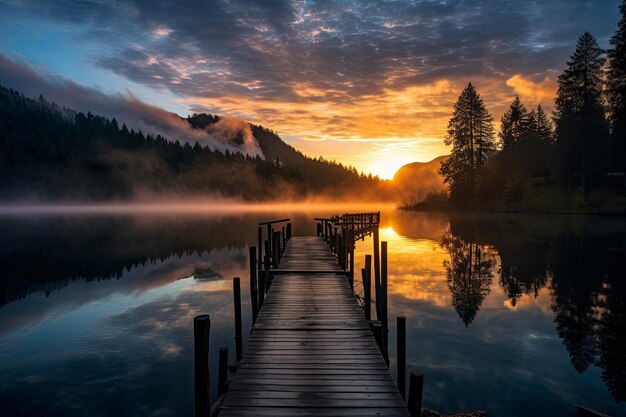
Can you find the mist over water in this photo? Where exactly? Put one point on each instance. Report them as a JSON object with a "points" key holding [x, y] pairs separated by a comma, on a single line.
{"points": [[97, 301]]}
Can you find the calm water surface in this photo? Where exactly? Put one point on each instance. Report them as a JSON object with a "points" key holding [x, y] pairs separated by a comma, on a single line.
{"points": [[516, 315]]}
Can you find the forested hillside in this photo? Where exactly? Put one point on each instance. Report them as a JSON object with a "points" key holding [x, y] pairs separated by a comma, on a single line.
{"points": [[51, 153]]}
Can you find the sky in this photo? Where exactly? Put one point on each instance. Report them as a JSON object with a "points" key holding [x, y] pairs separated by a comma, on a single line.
{"points": [[368, 83]]}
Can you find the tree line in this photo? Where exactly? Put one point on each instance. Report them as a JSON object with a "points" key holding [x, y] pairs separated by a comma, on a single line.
{"points": [[48, 152], [582, 149]]}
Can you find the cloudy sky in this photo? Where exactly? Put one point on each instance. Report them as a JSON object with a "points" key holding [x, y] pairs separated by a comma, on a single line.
{"points": [[370, 83]]}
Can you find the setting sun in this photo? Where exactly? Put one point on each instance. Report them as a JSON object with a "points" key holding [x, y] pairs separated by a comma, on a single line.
{"points": [[387, 166]]}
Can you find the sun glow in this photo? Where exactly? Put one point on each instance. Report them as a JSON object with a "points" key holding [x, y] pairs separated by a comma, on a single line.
{"points": [[387, 166]]}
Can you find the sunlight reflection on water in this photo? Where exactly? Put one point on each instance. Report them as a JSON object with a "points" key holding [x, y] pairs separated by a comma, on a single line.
{"points": [[101, 323]]}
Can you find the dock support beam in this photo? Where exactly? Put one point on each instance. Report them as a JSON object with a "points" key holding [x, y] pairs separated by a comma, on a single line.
{"points": [[222, 371], [383, 291], [377, 271], [254, 289], [238, 328], [416, 392], [202, 378], [401, 354], [367, 287]]}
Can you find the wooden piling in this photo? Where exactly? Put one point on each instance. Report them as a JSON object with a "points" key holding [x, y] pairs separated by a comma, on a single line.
{"points": [[367, 287], [202, 379], [351, 254], [222, 371], [319, 229], [283, 241], [377, 270], [383, 291], [254, 290], [260, 246], [267, 257], [238, 327], [262, 287], [401, 354], [416, 393], [275, 249], [269, 239], [288, 231]]}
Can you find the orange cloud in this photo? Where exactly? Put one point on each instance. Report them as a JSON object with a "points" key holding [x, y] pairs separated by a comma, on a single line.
{"points": [[533, 92], [397, 126]]}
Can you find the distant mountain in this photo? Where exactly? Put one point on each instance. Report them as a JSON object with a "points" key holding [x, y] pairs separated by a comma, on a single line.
{"points": [[52, 153], [414, 181]]}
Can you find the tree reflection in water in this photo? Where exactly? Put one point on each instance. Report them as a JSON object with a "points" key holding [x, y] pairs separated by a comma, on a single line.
{"points": [[469, 274], [580, 260]]}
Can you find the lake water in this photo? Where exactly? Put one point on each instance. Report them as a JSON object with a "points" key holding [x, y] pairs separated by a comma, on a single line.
{"points": [[514, 314]]}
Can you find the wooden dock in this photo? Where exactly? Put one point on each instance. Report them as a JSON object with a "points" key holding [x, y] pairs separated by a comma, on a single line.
{"points": [[311, 351]]}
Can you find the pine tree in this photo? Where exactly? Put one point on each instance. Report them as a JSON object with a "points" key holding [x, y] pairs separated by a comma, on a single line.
{"points": [[515, 124], [471, 134], [581, 127], [616, 90], [542, 126]]}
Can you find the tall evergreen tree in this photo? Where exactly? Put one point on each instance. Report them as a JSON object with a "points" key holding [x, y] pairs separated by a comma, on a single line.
{"points": [[616, 90], [471, 134], [542, 127], [515, 124], [581, 127]]}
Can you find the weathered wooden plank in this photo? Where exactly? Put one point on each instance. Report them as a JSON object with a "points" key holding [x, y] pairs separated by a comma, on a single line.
{"points": [[312, 412], [347, 388], [313, 401], [319, 382], [311, 352]]}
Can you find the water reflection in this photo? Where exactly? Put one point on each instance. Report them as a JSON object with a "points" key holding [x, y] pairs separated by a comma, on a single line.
{"points": [[95, 311], [580, 260], [469, 274]]}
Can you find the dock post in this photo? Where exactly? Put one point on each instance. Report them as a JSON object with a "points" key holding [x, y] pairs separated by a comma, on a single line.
{"points": [[416, 393], [401, 354], [276, 249], [267, 256], [319, 229], [288, 230], [222, 371], [202, 375], [339, 251], [262, 286], [254, 290], [260, 246], [269, 239], [367, 287], [283, 241], [238, 331], [377, 271], [383, 299], [351, 250]]}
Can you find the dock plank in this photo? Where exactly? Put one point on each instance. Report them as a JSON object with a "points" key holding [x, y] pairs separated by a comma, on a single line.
{"points": [[311, 352]]}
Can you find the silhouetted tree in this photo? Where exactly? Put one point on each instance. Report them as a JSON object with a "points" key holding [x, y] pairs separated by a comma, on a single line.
{"points": [[581, 127], [616, 91], [471, 134], [515, 124], [541, 126]]}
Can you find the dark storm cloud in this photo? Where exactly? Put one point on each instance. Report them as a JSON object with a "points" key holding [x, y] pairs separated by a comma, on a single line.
{"points": [[261, 49]]}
